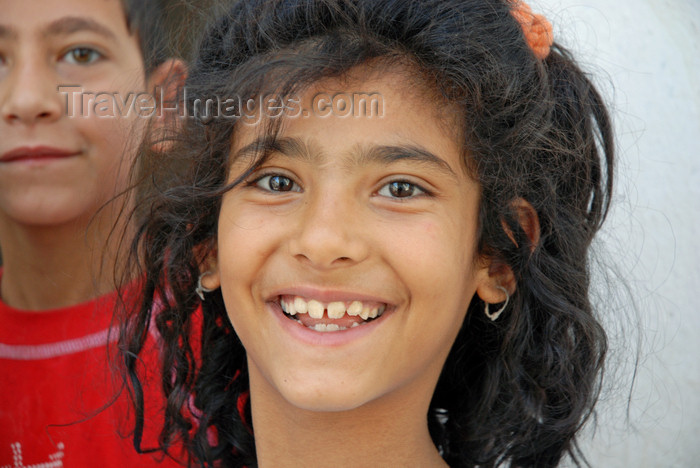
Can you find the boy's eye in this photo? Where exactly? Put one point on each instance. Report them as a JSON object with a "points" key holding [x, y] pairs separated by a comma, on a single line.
{"points": [[82, 56], [277, 183], [400, 189]]}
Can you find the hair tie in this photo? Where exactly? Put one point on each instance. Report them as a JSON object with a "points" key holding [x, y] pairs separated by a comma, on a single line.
{"points": [[537, 30]]}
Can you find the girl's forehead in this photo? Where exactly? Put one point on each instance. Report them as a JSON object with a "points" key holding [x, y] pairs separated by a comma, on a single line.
{"points": [[357, 119], [365, 94]]}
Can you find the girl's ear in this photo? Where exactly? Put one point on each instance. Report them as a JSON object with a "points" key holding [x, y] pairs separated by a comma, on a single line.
{"points": [[208, 266], [494, 276], [166, 81], [528, 220], [497, 274], [210, 279]]}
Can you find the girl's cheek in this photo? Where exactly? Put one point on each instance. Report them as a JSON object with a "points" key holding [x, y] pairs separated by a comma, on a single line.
{"points": [[239, 216], [430, 231]]}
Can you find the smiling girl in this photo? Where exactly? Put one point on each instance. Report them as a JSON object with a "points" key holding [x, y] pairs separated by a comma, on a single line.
{"points": [[400, 285]]}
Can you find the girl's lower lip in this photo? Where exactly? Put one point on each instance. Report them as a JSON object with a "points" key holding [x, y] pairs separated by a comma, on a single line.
{"points": [[327, 339]]}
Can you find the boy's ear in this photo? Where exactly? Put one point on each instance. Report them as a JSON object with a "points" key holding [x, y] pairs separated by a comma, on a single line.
{"points": [[167, 79]]}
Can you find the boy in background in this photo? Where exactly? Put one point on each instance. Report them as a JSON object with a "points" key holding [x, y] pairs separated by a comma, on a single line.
{"points": [[63, 159]]}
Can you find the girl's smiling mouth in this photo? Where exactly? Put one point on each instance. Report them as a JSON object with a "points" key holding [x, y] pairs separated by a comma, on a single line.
{"points": [[330, 316]]}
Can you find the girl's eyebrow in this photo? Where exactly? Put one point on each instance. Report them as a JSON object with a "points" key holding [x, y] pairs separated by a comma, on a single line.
{"points": [[361, 155], [386, 155], [290, 147]]}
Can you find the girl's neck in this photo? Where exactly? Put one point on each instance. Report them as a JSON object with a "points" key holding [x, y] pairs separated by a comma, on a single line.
{"points": [[52, 267], [390, 432]]}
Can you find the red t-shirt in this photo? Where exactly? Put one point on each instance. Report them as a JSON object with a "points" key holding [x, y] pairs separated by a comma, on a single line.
{"points": [[59, 400]]}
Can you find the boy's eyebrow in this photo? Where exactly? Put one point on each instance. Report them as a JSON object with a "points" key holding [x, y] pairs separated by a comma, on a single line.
{"points": [[72, 24], [7, 32], [362, 155]]}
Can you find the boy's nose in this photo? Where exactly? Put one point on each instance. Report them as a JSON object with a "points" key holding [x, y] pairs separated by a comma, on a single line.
{"points": [[329, 233], [29, 93]]}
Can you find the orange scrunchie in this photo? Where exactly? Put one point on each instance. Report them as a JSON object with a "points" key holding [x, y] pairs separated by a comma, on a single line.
{"points": [[537, 30]]}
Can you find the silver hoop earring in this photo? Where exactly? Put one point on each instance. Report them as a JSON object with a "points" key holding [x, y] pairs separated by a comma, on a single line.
{"points": [[494, 315], [200, 290]]}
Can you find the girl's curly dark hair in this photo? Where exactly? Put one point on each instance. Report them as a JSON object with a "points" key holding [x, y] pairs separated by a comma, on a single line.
{"points": [[513, 392]]}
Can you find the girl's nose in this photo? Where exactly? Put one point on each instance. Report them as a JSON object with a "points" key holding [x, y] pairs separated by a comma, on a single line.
{"points": [[329, 233], [29, 93]]}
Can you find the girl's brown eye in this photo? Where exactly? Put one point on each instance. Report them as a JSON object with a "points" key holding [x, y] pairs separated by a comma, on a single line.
{"points": [[280, 184], [277, 183], [400, 189]]}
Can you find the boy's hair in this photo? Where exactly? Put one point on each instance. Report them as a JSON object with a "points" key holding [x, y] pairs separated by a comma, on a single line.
{"points": [[167, 28], [145, 18], [515, 391]]}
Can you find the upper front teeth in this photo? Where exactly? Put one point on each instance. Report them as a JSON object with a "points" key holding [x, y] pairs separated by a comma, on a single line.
{"points": [[334, 310], [355, 308], [300, 306], [315, 309]]}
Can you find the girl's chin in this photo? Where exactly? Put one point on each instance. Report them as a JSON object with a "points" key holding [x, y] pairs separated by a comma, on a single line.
{"points": [[317, 388], [330, 399]]}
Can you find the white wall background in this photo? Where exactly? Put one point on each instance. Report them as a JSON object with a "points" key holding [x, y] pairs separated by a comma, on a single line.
{"points": [[645, 55]]}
